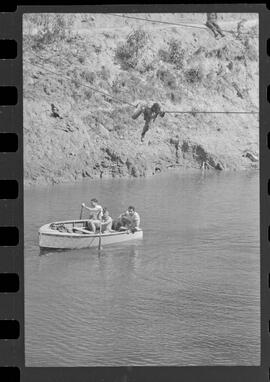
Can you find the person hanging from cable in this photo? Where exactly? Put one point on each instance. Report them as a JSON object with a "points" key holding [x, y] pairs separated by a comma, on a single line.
{"points": [[211, 23], [150, 113]]}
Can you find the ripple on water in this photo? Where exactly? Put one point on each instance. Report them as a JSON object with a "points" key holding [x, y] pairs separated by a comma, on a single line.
{"points": [[188, 294]]}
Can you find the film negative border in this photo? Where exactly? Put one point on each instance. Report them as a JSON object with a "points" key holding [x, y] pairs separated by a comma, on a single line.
{"points": [[11, 254], [11, 218], [264, 179]]}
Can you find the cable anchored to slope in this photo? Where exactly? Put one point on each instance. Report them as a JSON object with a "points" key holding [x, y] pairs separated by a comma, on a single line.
{"points": [[82, 84], [203, 27], [157, 21], [211, 112], [130, 104]]}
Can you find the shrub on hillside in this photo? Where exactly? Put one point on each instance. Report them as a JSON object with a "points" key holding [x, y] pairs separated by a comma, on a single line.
{"points": [[104, 73], [116, 87], [167, 78], [88, 76], [51, 28], [145, 66], [194, 74], [175, 96], [120, 82], [88, 94], [175, 54], [127, 54], [164, 55], [243, 30], [254, 31], [97, 48], [250, 49], [75, 76], [81, 59]]}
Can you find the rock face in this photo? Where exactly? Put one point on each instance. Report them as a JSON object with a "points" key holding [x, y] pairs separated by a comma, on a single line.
{"points": [[73, 131]]}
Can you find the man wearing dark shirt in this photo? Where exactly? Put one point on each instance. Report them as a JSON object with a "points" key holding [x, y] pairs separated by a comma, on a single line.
{"points": [[150, 113]]}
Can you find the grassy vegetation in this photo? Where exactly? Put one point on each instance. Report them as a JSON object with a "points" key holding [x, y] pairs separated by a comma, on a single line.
{"points": [[127, 53], [174, 54], [180, 69], [50, 28]]}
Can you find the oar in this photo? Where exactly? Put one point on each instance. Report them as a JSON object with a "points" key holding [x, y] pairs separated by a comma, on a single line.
{"points": [[81, 212], [99, 238]]}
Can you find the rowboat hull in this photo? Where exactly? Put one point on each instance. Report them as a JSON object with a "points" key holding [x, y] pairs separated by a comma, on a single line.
{"points": [[53, 239]]}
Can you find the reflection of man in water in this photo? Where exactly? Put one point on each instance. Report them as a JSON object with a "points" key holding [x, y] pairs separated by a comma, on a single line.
{"points": [[212, 24]]}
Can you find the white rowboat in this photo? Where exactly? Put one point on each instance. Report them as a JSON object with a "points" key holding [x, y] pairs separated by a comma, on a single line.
{"points": [[78, 237]]}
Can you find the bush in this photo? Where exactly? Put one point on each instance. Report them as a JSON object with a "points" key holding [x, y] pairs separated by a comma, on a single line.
{"points": [[104, 73], [88, 94], [88, 76], [164, 55], [121, 82], [128, 53], [251, 51], [194, 75], [116, 87], [137, 40], [174, 55], [75, 76], [254, 31], [97, 48], [175, 97], [145, 66], [81, 59], [51, 28], [125, 56], [167, 78]]}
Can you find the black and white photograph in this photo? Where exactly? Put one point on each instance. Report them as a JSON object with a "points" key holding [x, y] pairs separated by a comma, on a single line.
{"points": [[141, 189]]}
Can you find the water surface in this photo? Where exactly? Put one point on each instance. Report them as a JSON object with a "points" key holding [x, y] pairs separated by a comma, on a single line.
{"points": [[188, 294]]}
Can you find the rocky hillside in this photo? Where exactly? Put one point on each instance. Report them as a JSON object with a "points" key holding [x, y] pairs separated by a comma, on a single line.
{"points": [[71, 131]]}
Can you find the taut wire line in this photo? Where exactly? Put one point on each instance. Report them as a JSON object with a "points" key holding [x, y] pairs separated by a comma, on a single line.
{"points": [[132, 105]]}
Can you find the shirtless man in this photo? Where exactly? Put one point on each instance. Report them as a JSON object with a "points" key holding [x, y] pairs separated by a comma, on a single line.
{"points": [[106, 221], [130, 219], [96, 212]]}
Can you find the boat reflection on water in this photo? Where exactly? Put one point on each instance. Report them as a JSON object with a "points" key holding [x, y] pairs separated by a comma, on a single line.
{"points": [[186, 294], [103, 251], [49, 251], [106, 263]]}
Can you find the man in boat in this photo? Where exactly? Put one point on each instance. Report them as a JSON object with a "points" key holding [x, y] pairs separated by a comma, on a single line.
{"points": [[96, 212], [211, 23], [150, 113], [129, 220], [106, 221]]}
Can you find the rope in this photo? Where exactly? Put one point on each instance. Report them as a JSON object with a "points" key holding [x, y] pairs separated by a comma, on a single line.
{"points": [[83, 84], [174, 24], [53, 63], [130, 104], [157, 21], [212, 112]]}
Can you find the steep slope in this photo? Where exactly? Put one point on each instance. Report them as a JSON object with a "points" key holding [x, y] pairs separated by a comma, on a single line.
{"points": [[87, 134]]}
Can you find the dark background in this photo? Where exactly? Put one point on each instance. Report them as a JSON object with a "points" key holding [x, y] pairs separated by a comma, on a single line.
{"points": [[11, 215]]}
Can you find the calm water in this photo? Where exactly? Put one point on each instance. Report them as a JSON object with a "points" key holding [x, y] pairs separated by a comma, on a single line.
{"points": [[188, 294]]}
